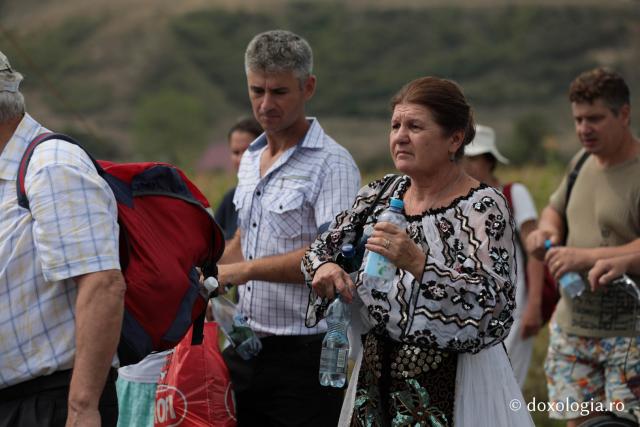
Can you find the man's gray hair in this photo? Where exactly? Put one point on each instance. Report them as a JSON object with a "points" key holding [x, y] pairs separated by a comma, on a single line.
{"points": [[279, 50], [12, 104]]}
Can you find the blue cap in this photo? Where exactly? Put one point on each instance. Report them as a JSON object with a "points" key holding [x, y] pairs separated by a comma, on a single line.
{"points": [[347, 250], [547, 244], [396, 203]]}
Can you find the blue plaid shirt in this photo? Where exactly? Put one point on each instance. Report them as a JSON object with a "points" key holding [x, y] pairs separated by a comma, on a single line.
{"points": [[71, 229], [281, 212]]}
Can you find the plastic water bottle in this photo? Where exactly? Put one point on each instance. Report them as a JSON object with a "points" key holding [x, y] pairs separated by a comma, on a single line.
{"points": [[232, 322], [571, 282], [335, 346], [379, 272], [347, 259]]}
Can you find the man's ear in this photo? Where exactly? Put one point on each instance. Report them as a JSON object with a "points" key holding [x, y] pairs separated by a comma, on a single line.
{"points": [[309, 87], [625, 114]]}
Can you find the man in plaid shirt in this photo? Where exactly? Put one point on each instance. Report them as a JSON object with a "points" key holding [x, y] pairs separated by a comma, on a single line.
{"points": [[61, 290], [293, 180]]}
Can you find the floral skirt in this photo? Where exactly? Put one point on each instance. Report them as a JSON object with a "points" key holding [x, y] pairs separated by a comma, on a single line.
{"points": [[404, 385]]}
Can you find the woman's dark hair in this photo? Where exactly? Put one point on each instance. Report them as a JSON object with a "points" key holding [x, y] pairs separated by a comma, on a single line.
{"points": [[246, 124], [446, 102]]}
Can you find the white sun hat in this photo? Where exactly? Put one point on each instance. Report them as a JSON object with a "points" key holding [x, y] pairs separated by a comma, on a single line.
{"points": [[484, 142]]}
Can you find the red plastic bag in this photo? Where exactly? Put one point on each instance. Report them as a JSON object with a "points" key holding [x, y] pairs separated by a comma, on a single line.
{"points": [[195, 387]]}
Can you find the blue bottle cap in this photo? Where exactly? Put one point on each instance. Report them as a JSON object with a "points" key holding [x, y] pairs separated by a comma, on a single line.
{"points": [[396, 203], [547, 244], [347, 250]]}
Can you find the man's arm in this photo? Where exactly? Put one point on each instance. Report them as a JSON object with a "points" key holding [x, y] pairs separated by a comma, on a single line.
{"points": [[283, 268], [564, 259], [99, 311], [532, 314], [551, 227], [232, 250]]}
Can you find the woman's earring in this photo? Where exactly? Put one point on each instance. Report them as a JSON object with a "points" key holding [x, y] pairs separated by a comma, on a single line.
{"points": [[452, 157]]}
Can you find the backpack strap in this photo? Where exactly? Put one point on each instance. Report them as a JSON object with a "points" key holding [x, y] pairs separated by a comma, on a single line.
{"points": [[571, 180], [120, 190], [506, 191], [21, 191]]}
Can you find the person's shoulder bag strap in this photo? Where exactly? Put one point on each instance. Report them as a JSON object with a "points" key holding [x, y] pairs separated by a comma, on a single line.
{"points": [[571, 180]]}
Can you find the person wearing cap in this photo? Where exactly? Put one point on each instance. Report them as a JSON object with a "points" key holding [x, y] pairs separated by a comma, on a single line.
{"points": [[61, 290], [594, 339], [481, 159]]}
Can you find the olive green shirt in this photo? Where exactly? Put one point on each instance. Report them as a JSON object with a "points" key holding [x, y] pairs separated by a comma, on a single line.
{"points": [[603, 210]]}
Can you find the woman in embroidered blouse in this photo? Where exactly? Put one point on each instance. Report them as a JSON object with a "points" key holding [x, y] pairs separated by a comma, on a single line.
{"points": [[453, 293]]}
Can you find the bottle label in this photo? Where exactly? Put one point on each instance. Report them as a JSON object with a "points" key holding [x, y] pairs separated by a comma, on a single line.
{"points": [[341, 363], [379, 266], [334, 360]]}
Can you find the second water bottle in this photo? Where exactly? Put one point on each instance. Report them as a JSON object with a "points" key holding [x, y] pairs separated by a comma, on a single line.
{"points": [[379, 272], [335, 346]]}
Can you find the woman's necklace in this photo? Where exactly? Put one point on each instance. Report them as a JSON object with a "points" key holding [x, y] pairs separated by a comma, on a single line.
{"points": [[440, 194]]}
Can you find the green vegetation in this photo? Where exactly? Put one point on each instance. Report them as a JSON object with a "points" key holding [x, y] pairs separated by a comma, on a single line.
{"points": [[161, 89], [500, 55]]}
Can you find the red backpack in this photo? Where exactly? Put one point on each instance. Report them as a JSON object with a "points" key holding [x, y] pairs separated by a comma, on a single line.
{"points": [[166, 231]]}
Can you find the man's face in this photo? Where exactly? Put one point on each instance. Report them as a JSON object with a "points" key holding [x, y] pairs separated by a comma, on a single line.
{"points": [[600, 130], [239, 141], [277, 99]]}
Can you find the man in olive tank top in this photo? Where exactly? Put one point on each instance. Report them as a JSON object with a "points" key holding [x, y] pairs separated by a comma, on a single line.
{"points": [[594, 353]]}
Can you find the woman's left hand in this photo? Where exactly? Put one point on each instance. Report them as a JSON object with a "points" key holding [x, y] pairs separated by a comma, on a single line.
{"points": [[393, 243]]}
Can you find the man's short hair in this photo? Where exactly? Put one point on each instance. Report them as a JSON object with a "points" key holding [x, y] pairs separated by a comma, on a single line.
{"points": [[600, 83], [246, 124], [279, 50]]}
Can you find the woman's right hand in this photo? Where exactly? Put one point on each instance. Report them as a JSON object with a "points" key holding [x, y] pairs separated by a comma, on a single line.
{"points": [[331, 279]]}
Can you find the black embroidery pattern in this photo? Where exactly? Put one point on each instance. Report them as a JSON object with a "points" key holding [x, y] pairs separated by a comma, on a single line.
{"points": [[434, 291], [421, 337], [471, 345], [380, 316], [495, 225], [499, 327], [445, 227], [484, 203], [464, 299], [483, 298], [377, 295], [459, 299], [500, 258]]}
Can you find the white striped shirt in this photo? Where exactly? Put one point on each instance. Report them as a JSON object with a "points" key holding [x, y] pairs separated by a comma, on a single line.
{"points": [[280, 212], [70, 230]]}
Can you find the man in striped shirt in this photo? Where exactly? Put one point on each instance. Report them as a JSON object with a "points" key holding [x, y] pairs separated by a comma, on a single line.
{"points": [[293, 180], [61, 290]]}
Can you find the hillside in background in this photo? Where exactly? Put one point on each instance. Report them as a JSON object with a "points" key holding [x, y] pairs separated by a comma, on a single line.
{"points": [[161, 80]]}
